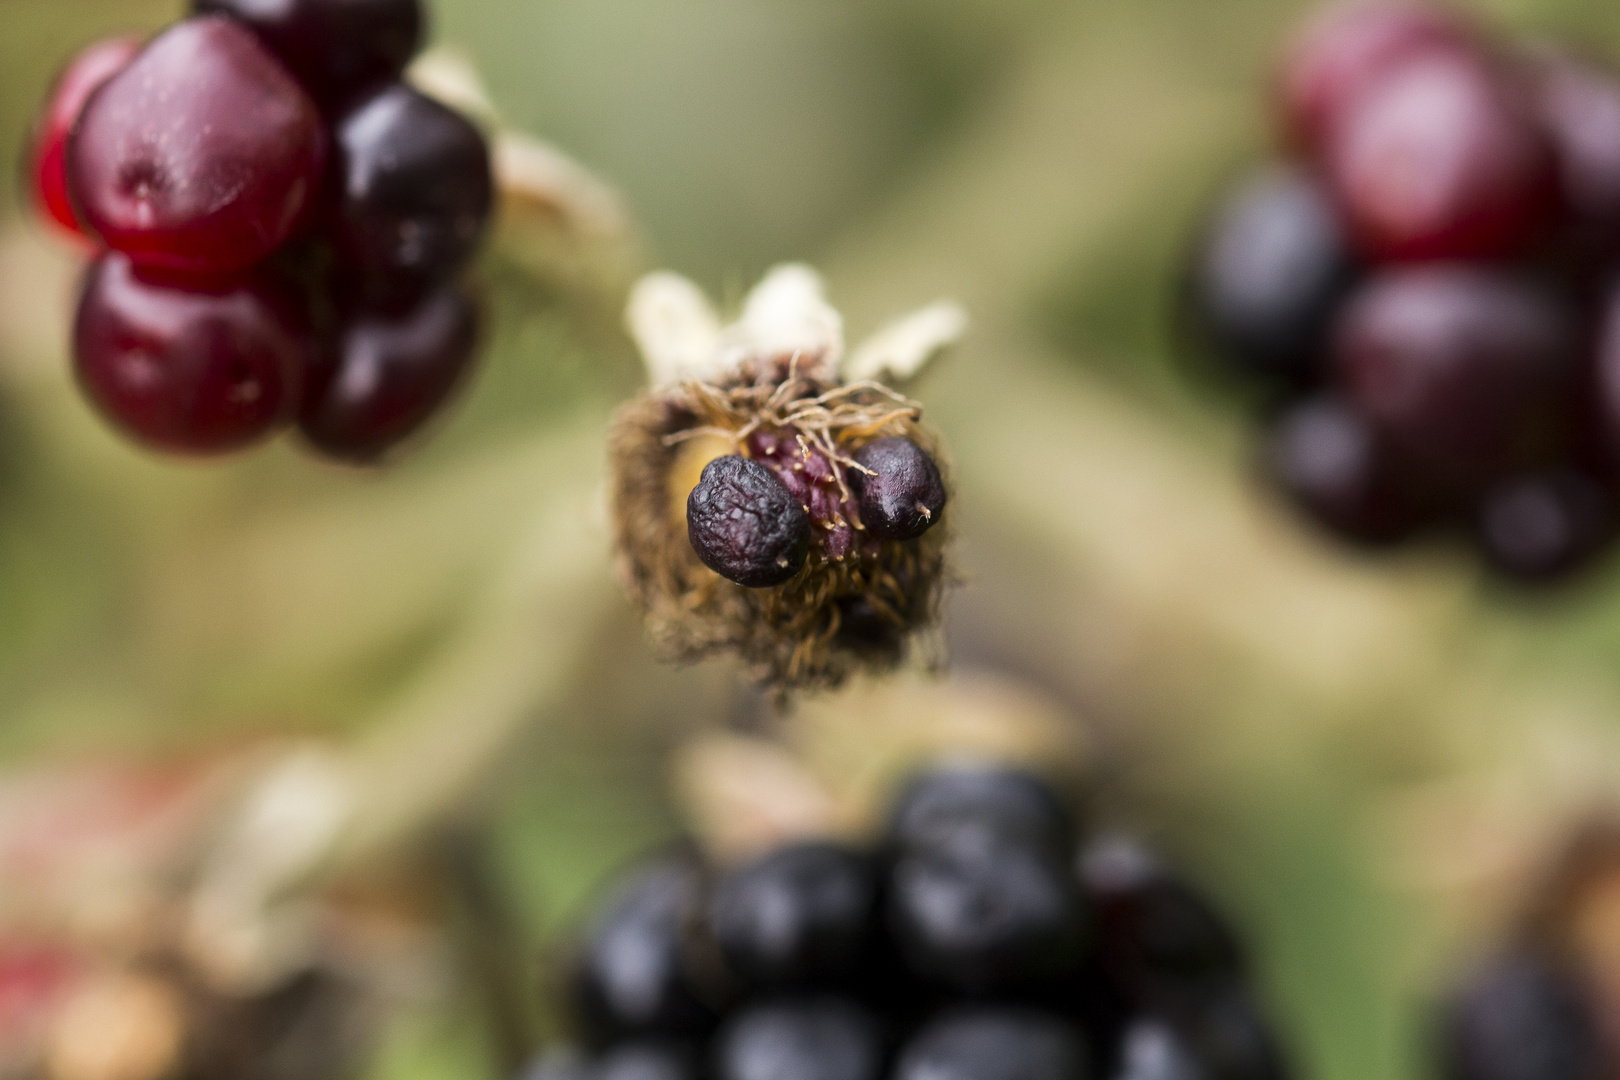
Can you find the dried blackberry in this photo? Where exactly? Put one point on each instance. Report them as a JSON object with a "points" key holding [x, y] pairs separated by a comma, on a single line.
{"points": [[775, 390], [745, 525]]}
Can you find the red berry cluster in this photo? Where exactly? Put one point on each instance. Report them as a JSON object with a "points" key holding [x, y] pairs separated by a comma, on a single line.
{"points": [[282, 222], [1425, 291]]}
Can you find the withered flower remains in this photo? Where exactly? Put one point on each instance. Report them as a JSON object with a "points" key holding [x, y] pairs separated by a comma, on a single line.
{"points": [[774, 497]]}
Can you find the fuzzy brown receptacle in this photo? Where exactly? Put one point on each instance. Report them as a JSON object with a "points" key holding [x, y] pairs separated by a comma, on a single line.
{"points": [[795, 635]]}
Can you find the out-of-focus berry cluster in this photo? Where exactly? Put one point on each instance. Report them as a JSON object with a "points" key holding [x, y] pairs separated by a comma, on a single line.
{"points": [[282, 222], [1424, 291], [979, 940]]}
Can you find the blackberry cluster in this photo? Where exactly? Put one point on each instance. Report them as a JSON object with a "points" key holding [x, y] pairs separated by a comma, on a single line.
{"points": [[282, 222], [1424, 293], [978, 941]]}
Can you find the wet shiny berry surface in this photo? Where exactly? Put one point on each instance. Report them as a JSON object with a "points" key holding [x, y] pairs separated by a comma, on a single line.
{"points": [[1346, 50], [995, 1044], [1269, 272], [1442, 158], [803, 914], [1579, 105], [413, 191], [745, 525], [901, 492], [800, 1039], [1329, 458], [188, 365], [992, 969], [83, 76], [334, 47], [387, 374], [202, 155], [1465, 368]]}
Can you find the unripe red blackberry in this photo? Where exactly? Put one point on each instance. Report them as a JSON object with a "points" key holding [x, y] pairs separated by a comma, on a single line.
{"points": [[83, 75], [901, 493], [745, 525], [202, 155]]}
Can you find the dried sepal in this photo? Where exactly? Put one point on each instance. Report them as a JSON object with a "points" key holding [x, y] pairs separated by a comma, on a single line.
{"points": [[768, 388]]}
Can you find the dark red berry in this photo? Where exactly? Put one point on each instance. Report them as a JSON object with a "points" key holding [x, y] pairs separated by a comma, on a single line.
{"points": [[745, 525], [901, 493], [1347, 49], [1159, 941], [414, 190], [1330, 460], [1520, 1017], [83, 76], [334, 47], [1467, 369], [387, 375], [189, 365], [991, 1043], [802, 914], [811, 477], [201, 156], [633, 977], [1271, 268], [802, 1039], [1543, 525], [1442, 158], [1579, 105]]}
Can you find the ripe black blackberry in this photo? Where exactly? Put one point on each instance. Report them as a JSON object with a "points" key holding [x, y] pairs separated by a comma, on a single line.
{"points": [[1416, 287], [289, 106], [1020, 954]]}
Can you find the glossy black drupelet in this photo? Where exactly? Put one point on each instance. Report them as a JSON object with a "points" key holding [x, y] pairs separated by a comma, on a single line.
{"points": [[1012, 800], [801, 915], [989, 1043], [901, 492], [822, 1038], [646, 1059], [979, 908], [334, 47], [1272, 266], [745, 525], [633, 976], [413, 193], [1519, 1018]]}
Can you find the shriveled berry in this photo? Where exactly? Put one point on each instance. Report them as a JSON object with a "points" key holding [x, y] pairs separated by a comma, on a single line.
{"points": [[745, 525], [633, 977], [1349, 48], [388, 374], [334, 47], [977, 908], [1330, 460], [645, 1059], [1545, 524], [1269, 272], [83, 76], [201, 155], [805, 1039], [1009, 800], [1520, 1018], [1467, 369], [1579, 106], [901, 492], [1158, 939], [195, 366], [799, 915], [1443, 158], [414, 190], [989, 1043]]}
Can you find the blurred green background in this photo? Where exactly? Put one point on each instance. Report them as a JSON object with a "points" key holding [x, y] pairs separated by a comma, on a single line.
{"points": [[1268, 706]]}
